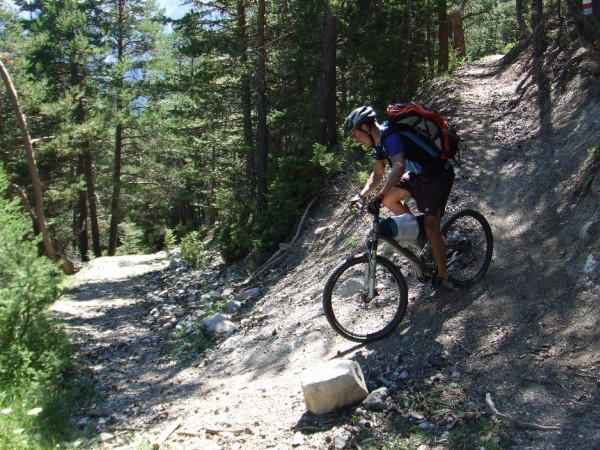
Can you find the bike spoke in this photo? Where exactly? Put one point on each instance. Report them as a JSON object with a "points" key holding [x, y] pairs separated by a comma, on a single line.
{"points": [[355, 313], [469, 247]]}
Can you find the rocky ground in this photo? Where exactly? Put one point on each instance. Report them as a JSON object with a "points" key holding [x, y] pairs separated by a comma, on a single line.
{"points": [[527, 334]]}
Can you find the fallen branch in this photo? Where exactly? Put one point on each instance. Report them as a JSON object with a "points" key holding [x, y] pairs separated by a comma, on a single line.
{"points": [[516, 423], [236, 432], [307, 428], [279, 255], [190, 433], [168, 432]]}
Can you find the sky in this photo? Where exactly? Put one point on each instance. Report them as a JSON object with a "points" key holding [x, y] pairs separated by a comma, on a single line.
{"points": [[173, 8]]}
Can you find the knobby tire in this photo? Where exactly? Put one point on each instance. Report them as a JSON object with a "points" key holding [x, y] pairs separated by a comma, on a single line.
{"points": [[351, 313], [470, 245]]}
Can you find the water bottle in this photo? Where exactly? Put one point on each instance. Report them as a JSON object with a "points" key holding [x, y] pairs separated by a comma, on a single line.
{"points": [[404, 228]]}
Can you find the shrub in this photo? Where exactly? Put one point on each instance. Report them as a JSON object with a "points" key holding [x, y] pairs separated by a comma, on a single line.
{"points": [[131, 237], [192, 249], [35, 353]]}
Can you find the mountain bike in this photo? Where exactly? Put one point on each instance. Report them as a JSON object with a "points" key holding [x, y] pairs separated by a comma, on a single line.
{"points": [[366, 297]]}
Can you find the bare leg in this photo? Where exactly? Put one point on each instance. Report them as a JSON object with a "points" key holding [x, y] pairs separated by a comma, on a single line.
{"points": [[438, 243], [394, 201]]}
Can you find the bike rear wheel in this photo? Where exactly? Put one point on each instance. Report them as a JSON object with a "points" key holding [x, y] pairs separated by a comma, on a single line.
{"points": [[350, 310], [470, 244]]}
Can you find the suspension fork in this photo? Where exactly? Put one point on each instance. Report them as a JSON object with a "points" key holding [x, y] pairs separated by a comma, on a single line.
{"points": [[371, 267]]}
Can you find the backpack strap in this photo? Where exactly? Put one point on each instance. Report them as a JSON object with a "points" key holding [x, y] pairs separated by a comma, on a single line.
{"points": [[379, 149], [422, 143]]}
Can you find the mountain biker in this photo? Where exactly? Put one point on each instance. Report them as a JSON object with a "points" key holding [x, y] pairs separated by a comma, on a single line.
{"points": [[413, 173]]}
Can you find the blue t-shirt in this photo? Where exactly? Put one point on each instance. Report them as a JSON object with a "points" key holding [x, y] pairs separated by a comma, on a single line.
{"points": [[391, 145], [417, 160]]}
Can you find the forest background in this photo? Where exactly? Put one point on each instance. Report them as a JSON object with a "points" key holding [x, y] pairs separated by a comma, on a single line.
{"points": [[146, 129], [144, 132]]}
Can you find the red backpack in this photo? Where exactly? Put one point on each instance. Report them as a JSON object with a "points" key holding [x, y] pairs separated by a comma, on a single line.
{"points": [[426, 127]]}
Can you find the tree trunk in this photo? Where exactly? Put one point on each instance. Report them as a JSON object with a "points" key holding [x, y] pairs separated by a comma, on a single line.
{"points": [[325, 128], [587, 26], [503, 31], [91, 197], [81, 216], [261, 105], [38, 198], [458, 33], [519, 15], [430, 37], [537, 25], [246, 100], [443, 61], [115, 206]]}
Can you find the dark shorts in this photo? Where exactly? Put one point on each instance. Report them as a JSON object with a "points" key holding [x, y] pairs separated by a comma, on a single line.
{"points": [[429, 192]]}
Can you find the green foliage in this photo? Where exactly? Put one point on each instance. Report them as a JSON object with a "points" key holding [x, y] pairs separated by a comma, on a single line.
{"points": [[235, 238], [296, 182], [35, 352], [491, 29], [187, 101], [193, 250], [170, 239], [132, 239], [436, 404], [191, 339], [351, 242], [328, 161]]}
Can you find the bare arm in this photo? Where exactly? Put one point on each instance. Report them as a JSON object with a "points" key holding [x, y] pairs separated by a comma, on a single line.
{"points": [[395, 174], [374, 179]]}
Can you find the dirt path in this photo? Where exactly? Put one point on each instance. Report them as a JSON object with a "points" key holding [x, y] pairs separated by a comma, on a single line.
{"points": [[505, 336]]}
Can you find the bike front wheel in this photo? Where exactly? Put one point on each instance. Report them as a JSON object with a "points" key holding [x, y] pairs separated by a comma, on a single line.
{"points": [[469, 244], [353, 312]]}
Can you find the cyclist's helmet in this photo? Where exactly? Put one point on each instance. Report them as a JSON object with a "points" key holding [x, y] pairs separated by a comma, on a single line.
{"points": [[362, 114]]}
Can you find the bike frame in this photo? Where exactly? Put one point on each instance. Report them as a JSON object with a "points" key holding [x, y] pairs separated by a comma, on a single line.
{"points": [[372, 246]]}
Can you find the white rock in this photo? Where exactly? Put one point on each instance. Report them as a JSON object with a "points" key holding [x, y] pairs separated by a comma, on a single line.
{"points": [[233, 306], [247, 294], [105, 437], [590, 265], [350, 287], [589, 231], [321, 230], [218, 323], [337, 383]]}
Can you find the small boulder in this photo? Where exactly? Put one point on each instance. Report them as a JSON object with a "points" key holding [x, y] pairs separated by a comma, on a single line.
{"points": [[376, 400], [218, 323], [332, 385]]}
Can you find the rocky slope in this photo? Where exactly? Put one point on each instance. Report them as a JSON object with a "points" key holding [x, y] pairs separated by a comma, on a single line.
{"points": [[527, 334]]}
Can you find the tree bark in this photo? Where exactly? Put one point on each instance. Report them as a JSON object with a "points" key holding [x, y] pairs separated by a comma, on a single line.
{"points": [[91, 198], [537, 25], [588, 26], [519, 15], [246, 99], [81, 216], [38, 198], [443, 61], [325, 128], [115, 206], [458, 33], [261, 105]]}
